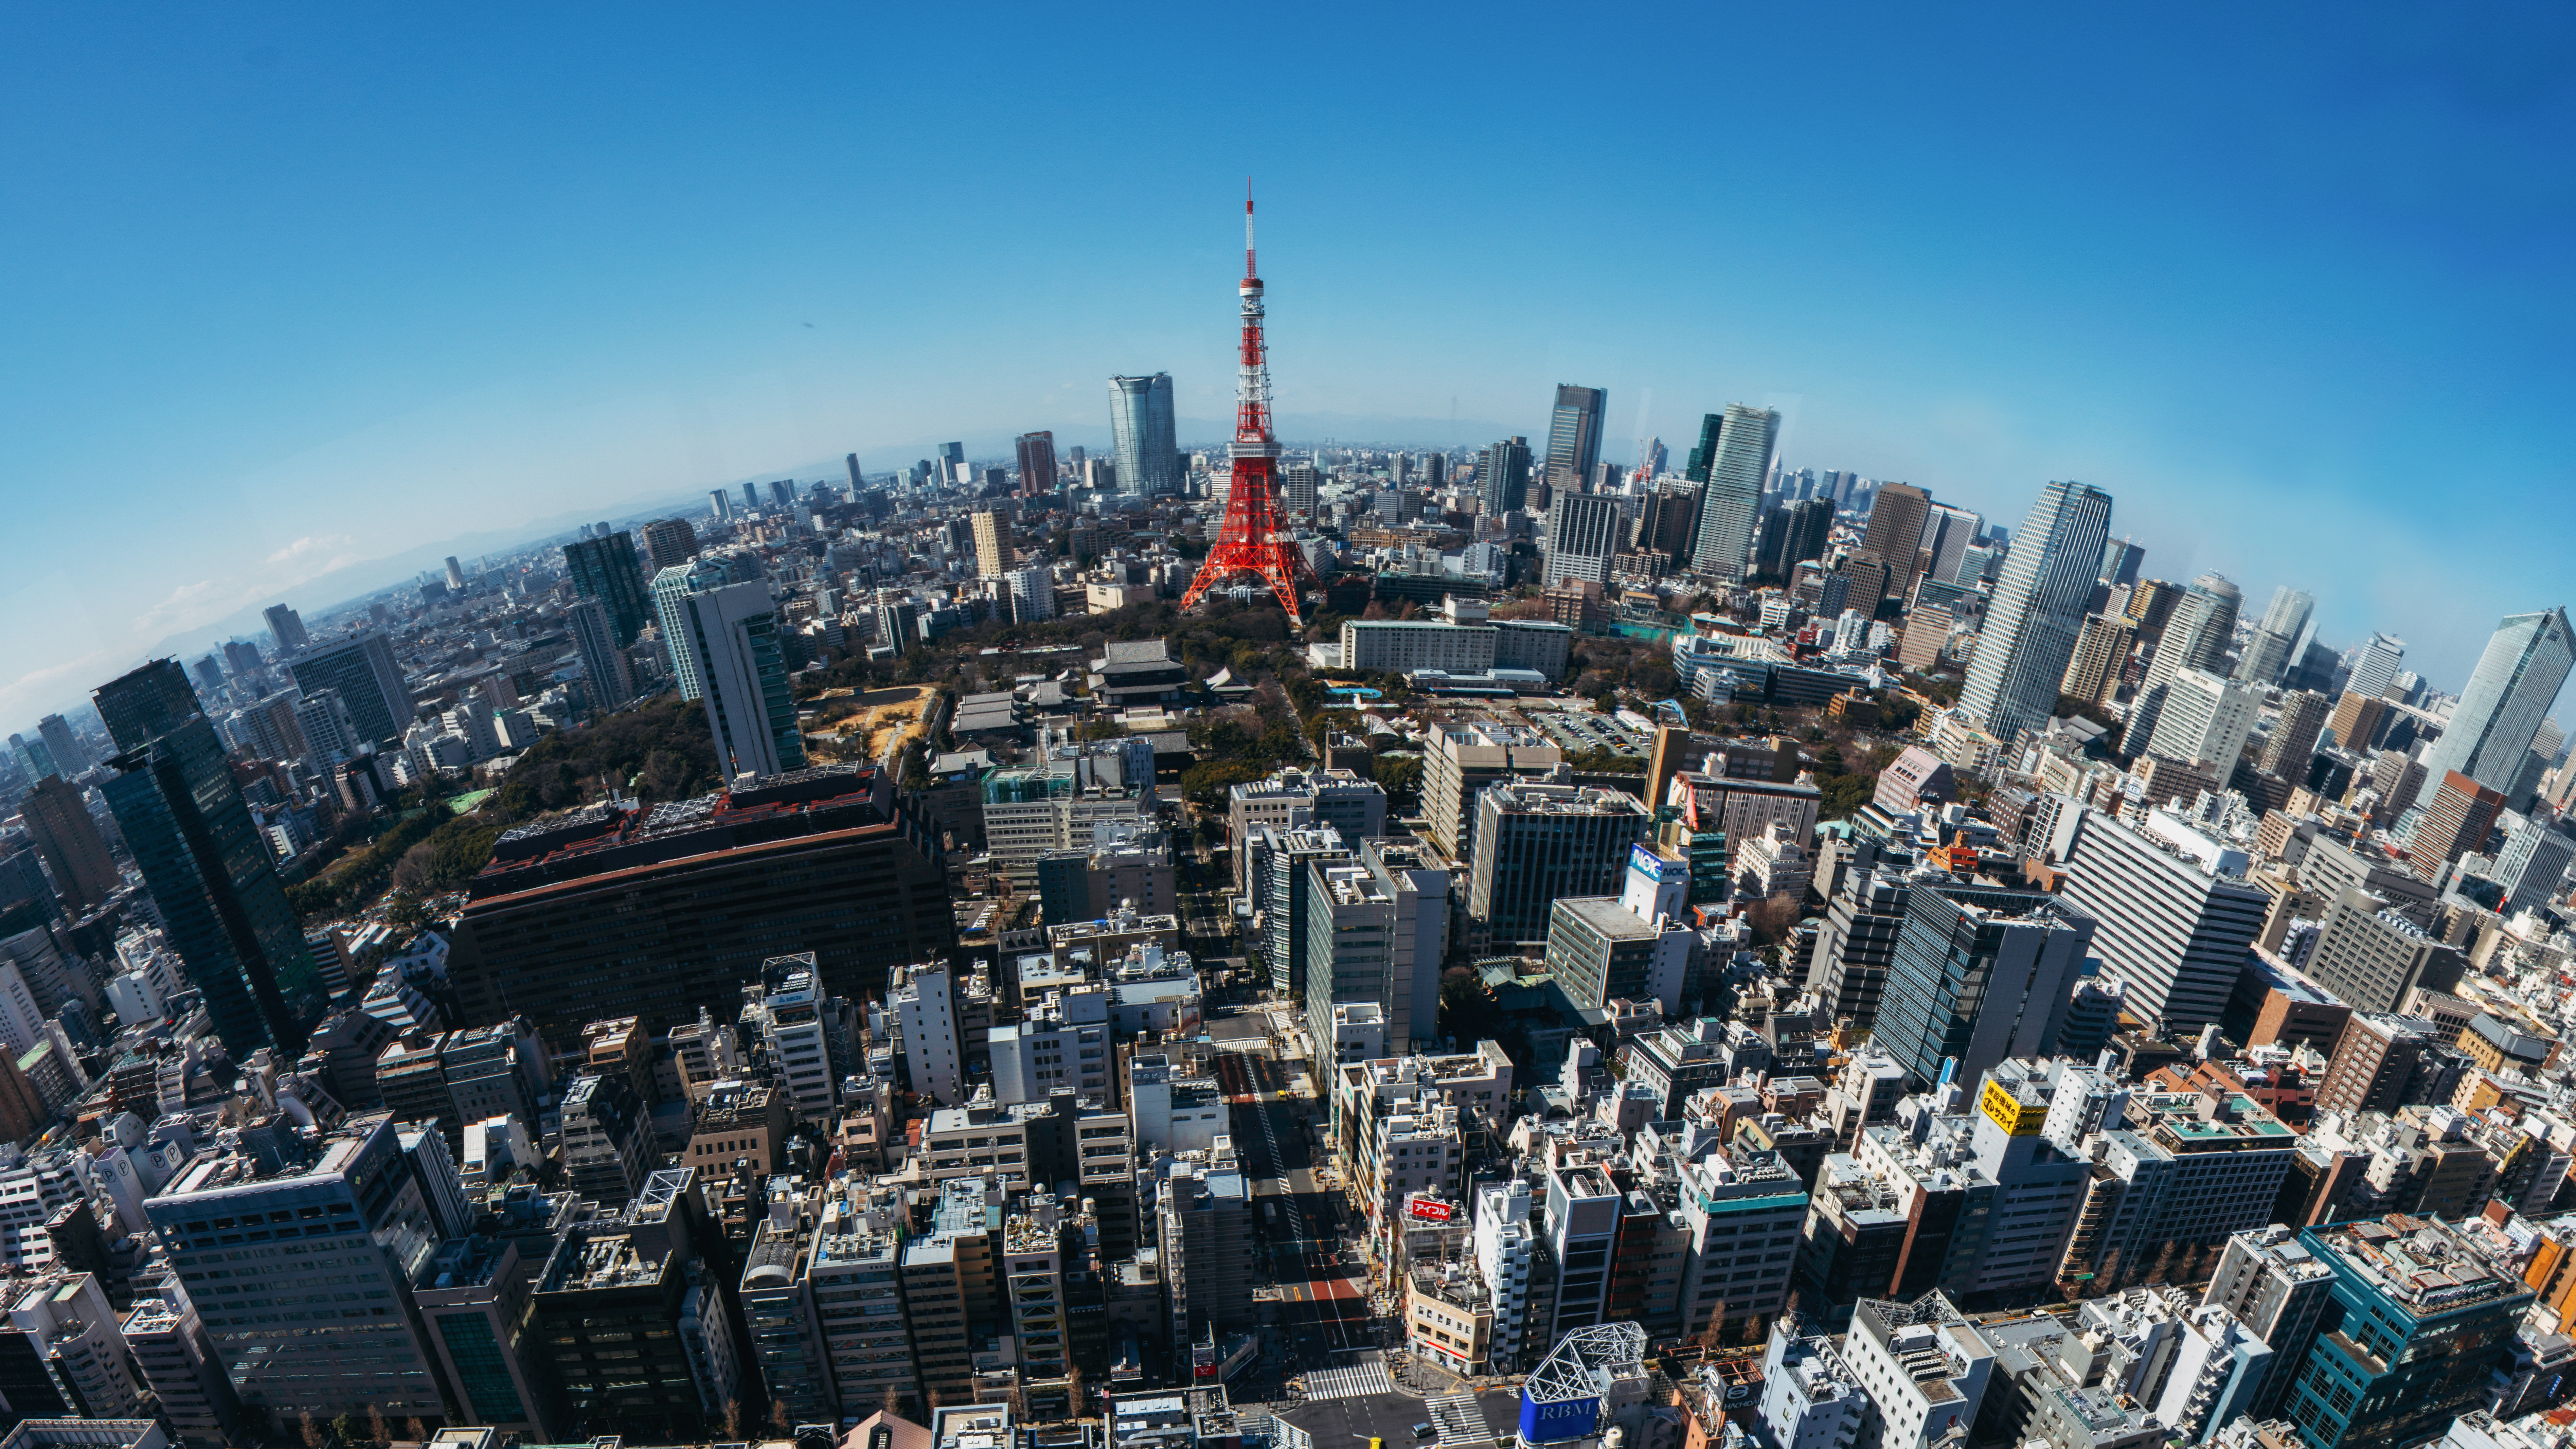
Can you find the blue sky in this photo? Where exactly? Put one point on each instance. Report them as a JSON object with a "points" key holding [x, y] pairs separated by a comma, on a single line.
{"points": [[292, 290]]}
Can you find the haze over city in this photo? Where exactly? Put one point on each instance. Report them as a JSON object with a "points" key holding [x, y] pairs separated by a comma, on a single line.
{"points": [[310, 289]]}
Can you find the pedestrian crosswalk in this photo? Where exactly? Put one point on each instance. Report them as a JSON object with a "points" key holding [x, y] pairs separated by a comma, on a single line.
{"points": [[1348, 1383], [1458, 1419]]}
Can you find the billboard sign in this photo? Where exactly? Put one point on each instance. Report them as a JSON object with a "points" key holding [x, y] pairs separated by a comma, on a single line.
{"points": [[2016, 1117], [1561, 1419], [1645, 862], [1428, 1209]]}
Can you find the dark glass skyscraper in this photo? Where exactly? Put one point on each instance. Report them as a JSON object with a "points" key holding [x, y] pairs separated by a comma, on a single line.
{"points": [[1504, 476], [1977, 975], [361, 667], [605, 569], [206, 864], [1792, 535], [1574, 437], [1037, 463]]}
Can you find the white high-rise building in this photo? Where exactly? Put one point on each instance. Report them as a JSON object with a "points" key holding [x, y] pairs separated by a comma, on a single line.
{"points": [[731, 637], [2509, 693], [2375, 664], [2038, 609], [925, 1012], [1032, 591], [2205, 720], [1733, 459], [2195, 637], [2174, 913], [1921, 1363], [1583, 535]]}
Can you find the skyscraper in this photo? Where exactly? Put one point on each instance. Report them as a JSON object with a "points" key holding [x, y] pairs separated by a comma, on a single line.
{"points": [[65, 835], [2457, 821], [1733, 458], [994, 555], [2038, 609], [205, 863], [1140, 429], [69, 758], [2509, 693], [669, 541], [286, 626], [2374, 664], [2101, 648], [37, 759], [377, 1212], [2195, 637], [361, 667], [950, 466], [605, 569], [1948, 534], [2174, 913], [1895, 533], [1503, 476], [1979, 974], [1583, 534], [723, 502], [2294, 736], [670, 586], [1574, 437], [1037, 463], [610, 679], [455, 575], [2268, 650], [731, 635], [2120, 561], [751, 497], [2533, 863], [1792, 534], [2206, 719]]}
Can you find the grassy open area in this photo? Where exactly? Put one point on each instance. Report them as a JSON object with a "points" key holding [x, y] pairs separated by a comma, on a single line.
{"points": [[871, 725]]}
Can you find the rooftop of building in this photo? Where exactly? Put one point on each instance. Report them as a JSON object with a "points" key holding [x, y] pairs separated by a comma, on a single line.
{"points": [[597, 839], [1607, 917], [1533, 797], [2037, 1345], [609, 1254], [470, 1262], [271, 1150], [2422, 1265]]}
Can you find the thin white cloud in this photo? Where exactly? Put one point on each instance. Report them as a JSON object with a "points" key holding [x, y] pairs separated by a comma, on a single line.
{"points": [[308, 546], [183, 600]]}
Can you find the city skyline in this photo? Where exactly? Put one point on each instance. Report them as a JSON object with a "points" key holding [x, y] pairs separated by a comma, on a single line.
{"points": [[2179, 333]]}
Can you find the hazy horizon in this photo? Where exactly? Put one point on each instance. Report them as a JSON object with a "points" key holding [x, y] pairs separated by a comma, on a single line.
{"points": [[316, 289]]}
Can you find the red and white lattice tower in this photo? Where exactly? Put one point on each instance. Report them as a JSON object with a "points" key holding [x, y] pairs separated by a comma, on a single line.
{"points": [[1253, 541]]}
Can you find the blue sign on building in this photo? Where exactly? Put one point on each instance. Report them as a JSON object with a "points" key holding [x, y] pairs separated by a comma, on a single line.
{"points": [[1546, 1423]]}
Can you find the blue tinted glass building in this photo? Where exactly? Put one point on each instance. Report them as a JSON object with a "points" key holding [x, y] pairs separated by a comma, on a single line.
{"points": [[1141, 430], [2416, 1319]]}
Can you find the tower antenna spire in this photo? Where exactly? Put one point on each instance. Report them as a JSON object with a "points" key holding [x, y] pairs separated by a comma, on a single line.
{"points": [[1253, 542]]}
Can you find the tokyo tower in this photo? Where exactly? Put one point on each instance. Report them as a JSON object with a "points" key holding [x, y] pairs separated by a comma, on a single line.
{"points": [[1253, 541]]}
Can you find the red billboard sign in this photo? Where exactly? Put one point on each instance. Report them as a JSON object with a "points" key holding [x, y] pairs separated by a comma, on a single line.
{"points": [[1429, 1209]]}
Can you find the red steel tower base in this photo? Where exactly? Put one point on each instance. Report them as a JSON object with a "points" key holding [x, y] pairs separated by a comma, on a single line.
{"points": [[1253, 541]]}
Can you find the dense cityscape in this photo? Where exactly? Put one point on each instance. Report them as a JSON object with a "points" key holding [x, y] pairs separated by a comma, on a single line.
{"points": [[1271, 943]]}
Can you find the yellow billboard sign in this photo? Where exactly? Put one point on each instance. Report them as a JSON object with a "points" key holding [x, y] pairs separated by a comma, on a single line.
{"points": [[2016, 1117]]}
